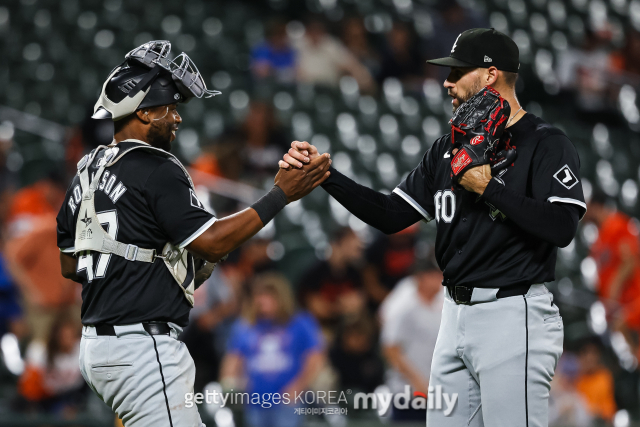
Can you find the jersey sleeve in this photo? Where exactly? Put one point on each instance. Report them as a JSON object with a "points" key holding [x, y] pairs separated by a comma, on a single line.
{"points": [[418, 187], [556, 173], [175, 206], [67, 216]]}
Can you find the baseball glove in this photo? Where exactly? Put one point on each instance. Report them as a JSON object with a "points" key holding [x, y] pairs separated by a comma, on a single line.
{"points": [[477, 131]]}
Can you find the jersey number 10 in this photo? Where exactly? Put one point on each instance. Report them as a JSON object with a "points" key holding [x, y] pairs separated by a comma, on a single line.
{"points": [[108, 220]]}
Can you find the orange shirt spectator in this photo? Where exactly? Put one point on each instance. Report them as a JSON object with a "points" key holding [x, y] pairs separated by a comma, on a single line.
{"points": [[597, 390], [37, 199], [595, 383], [35, 261], [42, 197], [617, 241]]}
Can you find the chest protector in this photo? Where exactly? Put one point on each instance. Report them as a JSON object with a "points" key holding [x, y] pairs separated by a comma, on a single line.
{"points": [[90, 236]]}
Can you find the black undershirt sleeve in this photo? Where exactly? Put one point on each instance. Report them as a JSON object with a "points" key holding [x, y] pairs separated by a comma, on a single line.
{"points": [[388, 213], [555, 223]]}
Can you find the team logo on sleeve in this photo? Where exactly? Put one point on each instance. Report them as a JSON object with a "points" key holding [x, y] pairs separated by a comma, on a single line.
{"points": [[195, 202], [566, 177]]}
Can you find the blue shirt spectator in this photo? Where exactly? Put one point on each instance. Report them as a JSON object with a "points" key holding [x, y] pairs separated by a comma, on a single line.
{"points": [[9, 307], [274, 353], [274, 58], [276, 349]]}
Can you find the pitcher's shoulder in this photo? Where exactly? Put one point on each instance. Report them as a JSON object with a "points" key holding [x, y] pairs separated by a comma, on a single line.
{"points": [[544, 129]]}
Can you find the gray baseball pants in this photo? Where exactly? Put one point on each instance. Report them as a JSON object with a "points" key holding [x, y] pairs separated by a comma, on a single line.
{"points": [[142, 377], [499, 356]]}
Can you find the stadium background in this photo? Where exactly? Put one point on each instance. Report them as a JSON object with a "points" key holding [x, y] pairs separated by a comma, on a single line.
{"points": [[580, 71]]}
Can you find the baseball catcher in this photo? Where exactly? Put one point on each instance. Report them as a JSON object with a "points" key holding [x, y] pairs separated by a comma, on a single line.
{"points": [[129, 230]]}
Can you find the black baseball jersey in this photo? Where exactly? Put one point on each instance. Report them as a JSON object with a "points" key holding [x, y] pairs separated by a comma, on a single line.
{"points": [[145, 200], [476, 244]]}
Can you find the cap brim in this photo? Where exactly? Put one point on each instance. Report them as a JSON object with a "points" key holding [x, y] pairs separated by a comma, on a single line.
{"points": [[450, 62]]}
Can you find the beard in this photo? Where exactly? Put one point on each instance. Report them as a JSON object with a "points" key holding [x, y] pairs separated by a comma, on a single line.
{"points": [[475, 88], [159, 135]]}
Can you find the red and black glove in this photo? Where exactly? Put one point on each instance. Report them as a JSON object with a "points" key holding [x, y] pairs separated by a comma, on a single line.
{"points": [[477, 129]]}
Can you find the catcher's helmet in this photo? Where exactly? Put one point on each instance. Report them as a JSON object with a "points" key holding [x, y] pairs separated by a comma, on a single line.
{"points": [[147, 78]]}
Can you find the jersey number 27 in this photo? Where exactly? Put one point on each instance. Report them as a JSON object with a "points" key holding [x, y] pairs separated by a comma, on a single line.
{"points": [[109, 220]]}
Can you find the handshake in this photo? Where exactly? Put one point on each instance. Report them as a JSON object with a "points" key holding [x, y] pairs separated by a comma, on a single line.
{"points": [[302, 170]]}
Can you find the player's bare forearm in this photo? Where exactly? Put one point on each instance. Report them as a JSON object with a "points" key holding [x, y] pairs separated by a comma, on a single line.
{"points": [[68, 267], [226, 234]]}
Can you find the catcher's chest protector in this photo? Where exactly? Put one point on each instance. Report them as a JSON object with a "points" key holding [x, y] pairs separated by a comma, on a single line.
{"points": [[90, 236]]}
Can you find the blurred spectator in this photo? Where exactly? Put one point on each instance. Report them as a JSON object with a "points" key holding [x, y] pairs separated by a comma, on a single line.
{"points": [[417, 313], [587, 72], [276, 348], [274, 58], [449, 21], [332, 290], [43, 197], [354, 37], [260, 140], [356, 357], [401, 58], [389, 259], [221, 157], [567, 407], [595, 382], [617, 255], [215, 301], [246, 262], [264, 140], [52, 381], [34, 261], [10, 311], [8, 178], [626, 60], [322, 59]]}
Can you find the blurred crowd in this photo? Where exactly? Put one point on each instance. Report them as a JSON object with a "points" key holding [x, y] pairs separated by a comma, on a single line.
{"points": [[361, 315]]}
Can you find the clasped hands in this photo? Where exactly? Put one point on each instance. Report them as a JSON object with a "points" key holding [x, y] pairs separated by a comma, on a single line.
{"points": [[300, 181], [301, 153]]}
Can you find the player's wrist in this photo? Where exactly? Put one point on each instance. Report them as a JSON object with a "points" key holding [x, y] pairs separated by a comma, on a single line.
{"points": [[270, 204]]}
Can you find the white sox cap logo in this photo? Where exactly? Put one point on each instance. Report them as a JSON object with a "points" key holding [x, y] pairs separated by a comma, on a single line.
{"points": [[455, 43]]}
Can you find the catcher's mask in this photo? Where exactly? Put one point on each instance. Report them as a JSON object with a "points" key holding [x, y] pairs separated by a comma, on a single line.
{"points": [[148, 78]]}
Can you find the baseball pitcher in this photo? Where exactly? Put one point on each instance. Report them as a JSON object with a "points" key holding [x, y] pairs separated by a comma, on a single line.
{"points": [[504, 189]]}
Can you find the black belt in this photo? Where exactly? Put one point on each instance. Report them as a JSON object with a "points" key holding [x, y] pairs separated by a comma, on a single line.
{"points": [[462, 294], [152, 328]]}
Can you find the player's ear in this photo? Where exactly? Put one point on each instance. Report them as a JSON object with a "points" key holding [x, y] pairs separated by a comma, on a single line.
{"points": [[143, 116], [491, 76]]}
